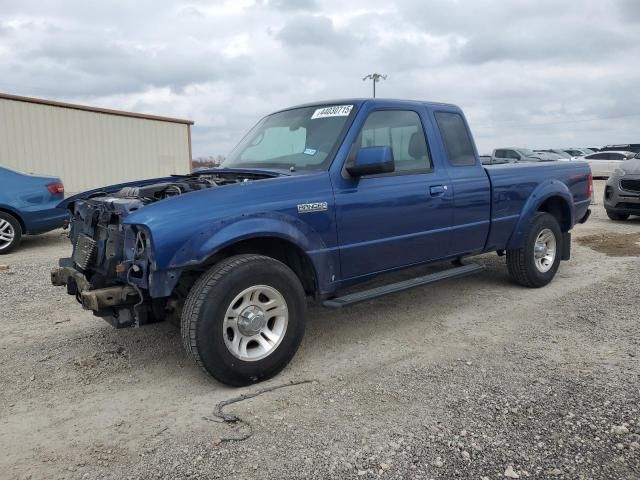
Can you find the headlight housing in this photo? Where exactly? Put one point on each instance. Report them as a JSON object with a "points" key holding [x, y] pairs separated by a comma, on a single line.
{"points": [[619, 172], [137, 243]]}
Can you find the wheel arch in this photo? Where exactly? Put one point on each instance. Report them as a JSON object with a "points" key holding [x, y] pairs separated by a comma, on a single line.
{"points": [[560, 209], [15, 215], [278, 248], [552, 197]]}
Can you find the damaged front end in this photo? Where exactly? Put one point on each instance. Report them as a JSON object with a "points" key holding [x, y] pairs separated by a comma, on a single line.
{"points": [[111, 271], [109, 268]]}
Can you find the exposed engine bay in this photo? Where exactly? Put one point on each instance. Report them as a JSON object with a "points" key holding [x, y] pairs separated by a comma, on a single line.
{"points": [[183, 184]]}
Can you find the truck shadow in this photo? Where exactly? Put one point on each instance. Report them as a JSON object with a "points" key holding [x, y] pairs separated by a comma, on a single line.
{"points": [[155, 353]]}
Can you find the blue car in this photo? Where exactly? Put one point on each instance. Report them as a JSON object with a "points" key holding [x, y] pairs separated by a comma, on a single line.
{"points": [[28, 206]]}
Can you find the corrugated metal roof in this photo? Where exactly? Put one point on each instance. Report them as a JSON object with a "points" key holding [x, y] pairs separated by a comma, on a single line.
{"points": [[87, 108]]}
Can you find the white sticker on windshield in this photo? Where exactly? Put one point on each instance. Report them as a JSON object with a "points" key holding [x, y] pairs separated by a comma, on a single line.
{"points": [[310, 151], [335, 111]]}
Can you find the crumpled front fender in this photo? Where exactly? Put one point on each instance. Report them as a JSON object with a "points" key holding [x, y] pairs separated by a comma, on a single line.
{"points": [[215, 237]]}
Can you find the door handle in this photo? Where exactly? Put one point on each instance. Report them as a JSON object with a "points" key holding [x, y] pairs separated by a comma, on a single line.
{"points": [[437, 190]]}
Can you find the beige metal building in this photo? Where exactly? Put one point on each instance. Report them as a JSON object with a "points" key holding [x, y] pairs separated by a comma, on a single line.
{"points": [[90, 147]]}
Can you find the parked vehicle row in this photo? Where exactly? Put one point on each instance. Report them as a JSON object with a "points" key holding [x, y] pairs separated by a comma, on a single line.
{"points": [[28, 206], [516, 155], [627, 147], [602, 163]]}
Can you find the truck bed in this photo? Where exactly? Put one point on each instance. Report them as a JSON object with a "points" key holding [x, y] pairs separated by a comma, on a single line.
{"points": [[513, 185]]}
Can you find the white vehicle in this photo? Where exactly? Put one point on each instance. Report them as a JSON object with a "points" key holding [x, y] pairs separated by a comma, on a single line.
{"points": [[604, 163]]}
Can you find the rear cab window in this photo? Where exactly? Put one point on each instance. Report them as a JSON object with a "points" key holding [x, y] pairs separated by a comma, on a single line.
{"points": [[457, 141]]}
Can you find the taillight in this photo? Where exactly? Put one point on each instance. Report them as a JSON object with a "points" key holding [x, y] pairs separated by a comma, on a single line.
{"points": [[590, 186], [57, 187]]}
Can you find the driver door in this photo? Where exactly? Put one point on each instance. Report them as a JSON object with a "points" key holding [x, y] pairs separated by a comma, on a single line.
{"points": [[392, 220]]}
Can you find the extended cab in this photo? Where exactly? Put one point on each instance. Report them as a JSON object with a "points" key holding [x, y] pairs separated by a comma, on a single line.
{"points": [[314, 199]]}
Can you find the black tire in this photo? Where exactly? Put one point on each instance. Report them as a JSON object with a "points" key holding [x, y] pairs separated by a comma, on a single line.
{"points": [[206, 306], [17, 233], [617, 216], [521, 261]]}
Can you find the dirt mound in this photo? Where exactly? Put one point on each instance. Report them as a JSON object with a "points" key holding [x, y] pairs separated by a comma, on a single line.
{"points": [[613, 244]]}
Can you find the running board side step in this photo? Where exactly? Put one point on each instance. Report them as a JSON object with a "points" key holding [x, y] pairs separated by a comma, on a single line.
{"points": [[376, 292]]}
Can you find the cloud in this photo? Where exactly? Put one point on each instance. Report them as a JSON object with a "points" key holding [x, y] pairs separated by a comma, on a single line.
{"points": [[629, 10], [293, 5], [81, 61], [538, 43], [531, 72], [315, 31]]}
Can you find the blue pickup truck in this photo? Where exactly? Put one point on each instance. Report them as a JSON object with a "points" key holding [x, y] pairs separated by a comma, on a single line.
{"points": [[314, 199]]}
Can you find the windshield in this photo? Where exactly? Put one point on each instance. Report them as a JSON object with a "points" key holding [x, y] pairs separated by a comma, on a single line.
{"points": [[302, 138]]}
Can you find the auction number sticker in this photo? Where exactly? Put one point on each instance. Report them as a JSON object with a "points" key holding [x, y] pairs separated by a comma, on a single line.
{"points": [[334, 111]]}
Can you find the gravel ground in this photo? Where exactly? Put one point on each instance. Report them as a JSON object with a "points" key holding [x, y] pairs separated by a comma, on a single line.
{"points": [[475, 378]]}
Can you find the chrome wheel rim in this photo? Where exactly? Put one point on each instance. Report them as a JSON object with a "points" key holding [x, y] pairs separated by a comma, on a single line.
{"points": [[255, 323], [7, 234], [544, 250]]}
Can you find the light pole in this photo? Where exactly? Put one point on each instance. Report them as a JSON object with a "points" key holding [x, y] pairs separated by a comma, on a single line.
{"points": [[375, 78]]}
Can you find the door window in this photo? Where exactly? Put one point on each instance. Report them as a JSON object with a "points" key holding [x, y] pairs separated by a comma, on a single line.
{"points": [[456, 139], [402, 131]]}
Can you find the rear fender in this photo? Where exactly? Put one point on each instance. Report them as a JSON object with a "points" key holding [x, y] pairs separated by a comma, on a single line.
{"points": [[544, 191]]}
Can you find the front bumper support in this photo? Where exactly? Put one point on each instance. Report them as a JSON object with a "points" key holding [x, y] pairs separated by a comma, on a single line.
{"points": [[116, 304], [104, 298]]}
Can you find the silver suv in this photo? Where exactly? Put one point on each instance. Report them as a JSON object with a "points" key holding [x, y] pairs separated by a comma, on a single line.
{"points": [[622, 192]]}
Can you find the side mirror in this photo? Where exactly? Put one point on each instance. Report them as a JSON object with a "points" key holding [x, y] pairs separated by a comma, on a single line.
{"points": [[371, 161]]}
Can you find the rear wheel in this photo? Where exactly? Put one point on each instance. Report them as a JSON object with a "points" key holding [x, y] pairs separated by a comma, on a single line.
{"points": [[244, 319], [617, 216], [536, 263], [10, 233]]}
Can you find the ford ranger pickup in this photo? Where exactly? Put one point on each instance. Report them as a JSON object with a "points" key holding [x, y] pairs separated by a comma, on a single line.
{"points": [[314, 199]]}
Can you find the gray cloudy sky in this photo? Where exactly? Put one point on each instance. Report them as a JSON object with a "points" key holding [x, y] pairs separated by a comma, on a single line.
{"points": [[527, 72]]}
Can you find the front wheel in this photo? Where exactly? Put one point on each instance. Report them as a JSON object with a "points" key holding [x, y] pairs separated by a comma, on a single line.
{"points": [[536, 263], [617, 216], [244, 319]]}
